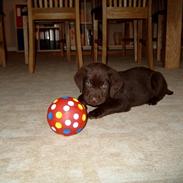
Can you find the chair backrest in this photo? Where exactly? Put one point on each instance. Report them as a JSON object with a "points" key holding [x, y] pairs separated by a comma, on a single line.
{"points": [[127, 9], [53, 9]]}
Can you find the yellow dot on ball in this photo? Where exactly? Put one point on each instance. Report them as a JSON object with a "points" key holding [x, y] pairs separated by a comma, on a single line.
{"points": [[58, 115], [58, 125], [80, 106], [75, 99], [84, 117]]}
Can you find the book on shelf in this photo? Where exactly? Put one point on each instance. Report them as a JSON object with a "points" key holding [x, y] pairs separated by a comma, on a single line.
{"points": [[57, 39], [20, 11], [86, 35], [48, 37], [20, 38], [19, 19], [41, 39]]}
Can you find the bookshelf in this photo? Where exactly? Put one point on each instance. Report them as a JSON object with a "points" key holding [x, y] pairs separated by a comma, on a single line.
{"points": [[51, 36]]}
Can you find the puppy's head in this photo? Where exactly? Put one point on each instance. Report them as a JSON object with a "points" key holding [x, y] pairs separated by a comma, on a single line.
{"points": [[98, 82]]}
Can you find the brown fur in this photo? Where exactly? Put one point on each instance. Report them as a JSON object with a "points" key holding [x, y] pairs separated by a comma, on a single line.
{"points": [[111, 91]]}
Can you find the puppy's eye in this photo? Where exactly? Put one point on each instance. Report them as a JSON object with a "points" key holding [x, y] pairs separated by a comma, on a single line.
{"points": [[88, 83], [104, 86]]}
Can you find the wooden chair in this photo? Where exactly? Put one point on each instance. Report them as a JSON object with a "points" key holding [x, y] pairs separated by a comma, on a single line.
{"points": [[97, 32], [132, 10], [2, 43], [53, 10]]}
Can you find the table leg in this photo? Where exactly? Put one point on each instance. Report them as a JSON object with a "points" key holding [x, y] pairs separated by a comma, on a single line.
{"points": [[173, 34]]}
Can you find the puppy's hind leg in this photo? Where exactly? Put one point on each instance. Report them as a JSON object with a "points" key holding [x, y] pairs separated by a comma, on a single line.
{"points": [[153, 101], [159, 88]]}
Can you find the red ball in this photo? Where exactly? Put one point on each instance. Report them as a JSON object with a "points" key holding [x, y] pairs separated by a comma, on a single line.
{"points": [[66, 116]]}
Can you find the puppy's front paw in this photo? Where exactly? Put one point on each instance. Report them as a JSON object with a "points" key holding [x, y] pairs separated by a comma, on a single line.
{"points": [[81, 99], [97, 113]]}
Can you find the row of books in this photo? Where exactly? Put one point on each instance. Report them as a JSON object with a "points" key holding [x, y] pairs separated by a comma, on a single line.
{"points": [[49, 37]]}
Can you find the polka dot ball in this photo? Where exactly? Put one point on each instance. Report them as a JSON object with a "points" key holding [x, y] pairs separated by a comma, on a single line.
{"points": [[66, 116]]}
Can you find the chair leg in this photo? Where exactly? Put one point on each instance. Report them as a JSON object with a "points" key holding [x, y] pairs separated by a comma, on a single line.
{"points": [[31, 47], [25, 33], [95, 40], [135, 40], [78, 40], [149, 43], [2, 56], [159, 37], [104, 34], [2, 44], [68, 46], [139, 43], [61, 32], [123, 38]]}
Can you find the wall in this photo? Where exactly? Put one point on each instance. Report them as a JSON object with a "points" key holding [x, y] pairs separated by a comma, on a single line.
{"points": [[10, 31]]}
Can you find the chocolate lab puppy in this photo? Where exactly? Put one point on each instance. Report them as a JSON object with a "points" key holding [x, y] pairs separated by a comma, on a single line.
{"points": [[111, 91]]}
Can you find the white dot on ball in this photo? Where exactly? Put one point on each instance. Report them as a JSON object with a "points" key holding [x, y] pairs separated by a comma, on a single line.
{"points": [[53, 128], [75, 125], [67, 122], [66, 108], [53, 106], [76, 116], [71, 103]]}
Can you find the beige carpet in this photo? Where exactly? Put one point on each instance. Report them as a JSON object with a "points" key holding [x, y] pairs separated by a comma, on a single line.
{"points": [[144, 145]]}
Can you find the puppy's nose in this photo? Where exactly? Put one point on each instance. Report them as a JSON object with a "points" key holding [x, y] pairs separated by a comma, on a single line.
{"points": [[94, 99]]}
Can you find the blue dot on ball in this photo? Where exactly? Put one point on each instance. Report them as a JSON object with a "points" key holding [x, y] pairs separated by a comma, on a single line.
{"points": [[50, 115], [64, 97], [67, 131]]}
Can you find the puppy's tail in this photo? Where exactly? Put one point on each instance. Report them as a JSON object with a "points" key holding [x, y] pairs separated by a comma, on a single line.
{"points": [[169, 92]]}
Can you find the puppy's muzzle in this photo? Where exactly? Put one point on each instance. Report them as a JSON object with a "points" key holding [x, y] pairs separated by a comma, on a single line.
{"points": [[95, 100]]}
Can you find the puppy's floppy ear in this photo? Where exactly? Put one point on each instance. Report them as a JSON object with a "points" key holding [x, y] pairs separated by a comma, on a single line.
{"points": [[79, 78], [116, 83]]}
